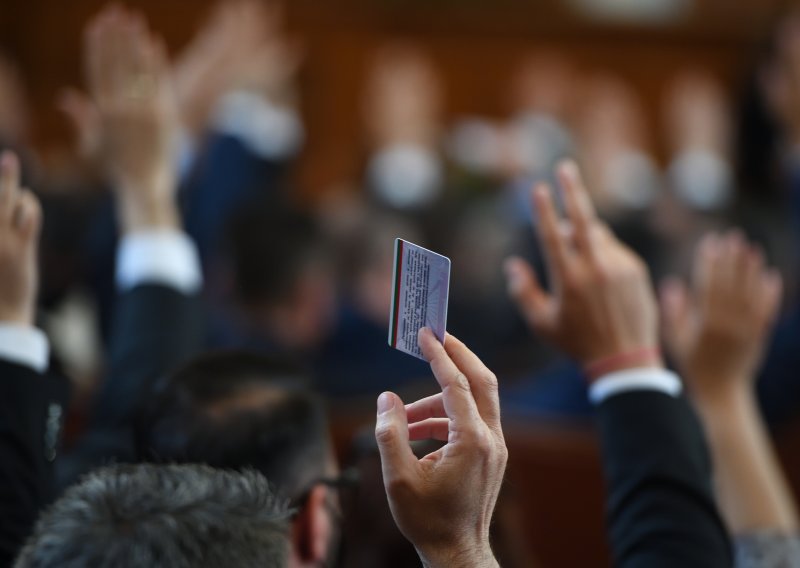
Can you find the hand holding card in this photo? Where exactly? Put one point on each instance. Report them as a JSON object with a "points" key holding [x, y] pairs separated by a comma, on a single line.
{"points": [[421, 285]]}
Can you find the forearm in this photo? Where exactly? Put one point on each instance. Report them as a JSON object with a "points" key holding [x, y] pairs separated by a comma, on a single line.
{"points": [[145, 208], [751, 489]]}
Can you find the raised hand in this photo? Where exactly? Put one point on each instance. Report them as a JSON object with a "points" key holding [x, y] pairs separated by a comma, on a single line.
{"points": [[443, 503], [601, 308], [128, 77], [20, 223], [82, 114], [403, 99], [243, 45], [717, 331]]}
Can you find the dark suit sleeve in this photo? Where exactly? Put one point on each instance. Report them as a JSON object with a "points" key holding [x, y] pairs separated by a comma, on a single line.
{"points": [[31, 407], [155, 329], [661, 509], [226, 178]]}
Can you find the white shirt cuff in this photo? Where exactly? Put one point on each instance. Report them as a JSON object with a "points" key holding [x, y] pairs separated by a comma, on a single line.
{"points": [[644, 379], [165, 257], [24, 345], [269, 131]]}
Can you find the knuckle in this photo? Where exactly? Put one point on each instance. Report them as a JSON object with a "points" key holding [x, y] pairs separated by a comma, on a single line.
{"points": [[460, 383], [600, 272], [385, 434], [502, 453], [570, 282], [489, 381], [484, 442], [398, 485]]}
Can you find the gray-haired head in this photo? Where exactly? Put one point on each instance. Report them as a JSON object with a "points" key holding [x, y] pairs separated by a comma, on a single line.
{"points": [[162, 516]]}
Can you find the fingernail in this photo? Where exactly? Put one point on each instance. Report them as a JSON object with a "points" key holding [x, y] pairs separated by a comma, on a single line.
{"points": [[569, 169], [420, 333], [512, 274], [385, 403]]}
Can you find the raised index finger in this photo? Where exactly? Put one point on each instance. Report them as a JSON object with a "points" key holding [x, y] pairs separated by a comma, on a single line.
{"points": [[556, 250], [482, 381], [459, 403], [578, 204]]}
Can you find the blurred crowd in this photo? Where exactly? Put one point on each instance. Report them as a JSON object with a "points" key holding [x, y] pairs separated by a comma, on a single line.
{"points": [[313, 278], [217, 129]]}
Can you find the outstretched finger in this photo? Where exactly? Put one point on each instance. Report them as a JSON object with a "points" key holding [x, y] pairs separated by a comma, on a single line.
{"points": [[430, 429], [578, 205], [675, 309], [429, 407], [554, 245], [457, 397], [9, 185], [482, 381], [536, 305], [28, 214]]}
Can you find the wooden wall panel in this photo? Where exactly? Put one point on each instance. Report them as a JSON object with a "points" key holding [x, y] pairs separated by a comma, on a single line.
{"points": [[475, 44]]}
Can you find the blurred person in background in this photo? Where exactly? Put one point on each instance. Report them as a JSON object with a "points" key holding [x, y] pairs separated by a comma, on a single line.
{"points": [[717, 331], [158, 321], [601, 310], [236, 133], [283, 296], [402, 106], [355, 362], [767, 144], [32, 402], [700, 184]]}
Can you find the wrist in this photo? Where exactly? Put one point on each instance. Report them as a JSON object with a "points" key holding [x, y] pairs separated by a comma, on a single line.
{"points": [[639, 358], [18, 316], [138, 212], [471, 556], [723, 398]]}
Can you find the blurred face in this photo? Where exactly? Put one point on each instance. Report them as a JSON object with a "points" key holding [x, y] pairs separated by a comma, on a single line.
{"points": [[314, 305], [779, 78]]}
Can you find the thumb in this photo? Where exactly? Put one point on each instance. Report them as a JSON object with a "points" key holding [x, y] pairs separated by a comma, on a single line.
{"points": [[83, 115], [536, 305], [391, 433]]}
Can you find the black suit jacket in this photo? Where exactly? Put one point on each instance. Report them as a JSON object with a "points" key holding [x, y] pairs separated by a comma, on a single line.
{"points": [[31, 407], [155, 329], [661, 509]]}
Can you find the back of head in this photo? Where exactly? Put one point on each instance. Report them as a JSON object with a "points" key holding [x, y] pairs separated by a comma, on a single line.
{"points": [[239, 410], [166, 516], [271, 245]]}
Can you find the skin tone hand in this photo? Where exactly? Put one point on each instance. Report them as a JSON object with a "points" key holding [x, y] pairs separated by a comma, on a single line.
{"points": [[403, 99], [717, 333], [20, 223], [601, 304], [129, 83], [443, 503], [243, 45]]}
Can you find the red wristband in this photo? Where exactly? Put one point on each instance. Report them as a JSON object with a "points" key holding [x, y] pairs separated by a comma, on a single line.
{"points": [[626, 360]]}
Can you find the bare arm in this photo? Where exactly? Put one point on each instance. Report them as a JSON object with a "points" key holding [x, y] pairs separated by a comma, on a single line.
{"points": [[717, 332]]}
